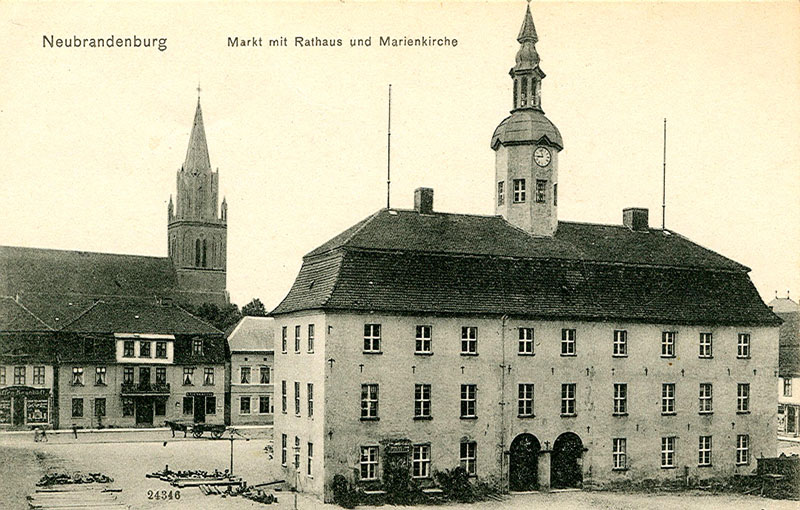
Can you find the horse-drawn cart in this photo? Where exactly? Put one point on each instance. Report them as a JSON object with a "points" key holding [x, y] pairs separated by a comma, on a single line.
{"points": [[197, 429]]}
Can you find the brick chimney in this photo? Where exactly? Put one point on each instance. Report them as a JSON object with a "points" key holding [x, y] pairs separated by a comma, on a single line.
{"points": [[635, 218], [423, 200]]}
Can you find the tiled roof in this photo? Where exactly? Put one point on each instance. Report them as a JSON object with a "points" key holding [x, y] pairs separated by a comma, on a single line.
{"points": [[252, 334], [524, 126], [789, 350], [28, 347], [136, 317], [783, 305], [15, 317], [406, 262]]}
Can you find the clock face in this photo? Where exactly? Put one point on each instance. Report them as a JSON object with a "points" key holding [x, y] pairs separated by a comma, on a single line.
{"points": [[541, 156]]}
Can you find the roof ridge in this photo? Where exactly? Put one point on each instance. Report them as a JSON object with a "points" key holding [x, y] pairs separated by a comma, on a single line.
{"points": [[81, 314], [63, 250], [13, 300]]}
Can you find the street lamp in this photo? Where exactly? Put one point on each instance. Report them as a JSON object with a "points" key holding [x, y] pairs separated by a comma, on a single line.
{"points": [[296, 449], [231, 438]]}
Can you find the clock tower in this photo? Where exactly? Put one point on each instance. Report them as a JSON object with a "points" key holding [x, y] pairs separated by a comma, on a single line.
{"points": [[526, 146]]}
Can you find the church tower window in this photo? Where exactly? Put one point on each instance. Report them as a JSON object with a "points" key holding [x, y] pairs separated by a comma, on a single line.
{"points": [[540, 186], [524, 91], [519, 190], [205, 250]]}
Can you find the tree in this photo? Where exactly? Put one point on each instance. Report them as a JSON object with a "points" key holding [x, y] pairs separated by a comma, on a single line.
{"points": [[221, 318], [254, 308]]}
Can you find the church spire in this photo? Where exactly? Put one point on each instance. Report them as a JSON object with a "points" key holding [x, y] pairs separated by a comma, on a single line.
{"points": [[526, 73], [197, 160]]}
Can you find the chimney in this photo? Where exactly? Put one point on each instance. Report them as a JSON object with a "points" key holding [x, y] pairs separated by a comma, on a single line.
{"points": [[635, 218], [423, 200]]}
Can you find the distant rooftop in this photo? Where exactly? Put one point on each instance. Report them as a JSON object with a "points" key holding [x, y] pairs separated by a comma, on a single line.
{"points": [[252, 334]]}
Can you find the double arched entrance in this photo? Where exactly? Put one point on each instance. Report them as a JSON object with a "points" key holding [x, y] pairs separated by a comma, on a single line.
{"points": [[564, 463]]}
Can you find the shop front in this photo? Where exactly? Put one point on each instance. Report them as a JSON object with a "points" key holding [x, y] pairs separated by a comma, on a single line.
{"points": [[25, 407]]}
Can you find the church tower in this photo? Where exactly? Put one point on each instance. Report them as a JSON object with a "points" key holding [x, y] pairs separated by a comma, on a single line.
{"points": [[196, 230], [526, 146]]}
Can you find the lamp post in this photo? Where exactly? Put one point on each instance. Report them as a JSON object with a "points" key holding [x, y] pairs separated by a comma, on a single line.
{"points": [[296, 449], [231, 438]]}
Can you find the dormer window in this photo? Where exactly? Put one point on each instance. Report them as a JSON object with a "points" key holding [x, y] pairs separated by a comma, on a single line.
{"points": [[197, 346]]}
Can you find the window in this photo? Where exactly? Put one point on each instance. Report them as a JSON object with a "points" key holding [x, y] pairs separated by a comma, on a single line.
{"points": [[668, 344], [519, 190], [283, 449], [283, 341], [208, 376], [309, 462], [540, 185], [244, 405], [188, 373], [77, 376], [555, 194], [211, 405], [620, 343], [127, 407], [501, 192], [127, 375], [310, 399], [297, 339], [668, 398], [77, 408], [525, 400], [144, 376], [743, 346], [100, 376], [743, 398], [619, 452], [297, 398], [127, 349], [100, 407], [525, 341], [144, 349], [704, 451], [372, 338], [188, 405], [264, 404], [468, 457], [422, 345], [161, 375], [297, 453], [568, 342], [3, 375], [422, 401], [706, 405], [310, 340], [264, 375], [743, 449], [668, 452], [160, 407], [787, 386], [369, 463], [705, 345], [244, 375], [469, 340], [369, 401], [161, 349], [283, 397], [19, 376], [421, 461], [620, 399], [468, 400], [568, 399], [38, 375], [197, 346]]}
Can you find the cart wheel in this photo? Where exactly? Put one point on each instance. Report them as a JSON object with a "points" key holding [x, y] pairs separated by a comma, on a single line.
{"points": [[217, 434], [197, 433]]}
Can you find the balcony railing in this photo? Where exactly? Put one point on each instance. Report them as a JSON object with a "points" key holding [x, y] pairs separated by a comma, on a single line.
{"points": [[145, 388]]}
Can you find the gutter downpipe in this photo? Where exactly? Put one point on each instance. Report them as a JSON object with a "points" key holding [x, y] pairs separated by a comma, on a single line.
{"points": [[503, 471]]}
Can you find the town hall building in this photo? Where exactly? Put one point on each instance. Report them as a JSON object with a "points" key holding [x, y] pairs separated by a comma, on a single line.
{"points": [[530, 351]]}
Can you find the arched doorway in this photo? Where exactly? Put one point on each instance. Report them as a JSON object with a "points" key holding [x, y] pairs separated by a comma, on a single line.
{"points": [[565, 466], [523, 463]]}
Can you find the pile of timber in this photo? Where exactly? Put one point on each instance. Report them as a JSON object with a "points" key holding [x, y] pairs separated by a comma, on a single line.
{"points": [[75, 497], [72, 478]]}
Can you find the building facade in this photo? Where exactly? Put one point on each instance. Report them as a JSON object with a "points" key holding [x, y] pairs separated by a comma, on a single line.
{"points": [[251, 363], [788, 367], [532, 352]]}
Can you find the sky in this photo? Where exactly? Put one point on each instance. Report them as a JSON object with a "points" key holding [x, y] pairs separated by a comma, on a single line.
{"points": [[91, 138]]}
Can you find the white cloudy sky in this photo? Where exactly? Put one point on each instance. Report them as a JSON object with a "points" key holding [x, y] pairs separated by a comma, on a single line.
{"points": [[91, 139]]}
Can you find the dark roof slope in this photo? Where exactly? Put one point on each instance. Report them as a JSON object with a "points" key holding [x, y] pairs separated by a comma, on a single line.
{"points": [[136, 317], [15, 317], [462, 234], [789, 349], [406, 262]]}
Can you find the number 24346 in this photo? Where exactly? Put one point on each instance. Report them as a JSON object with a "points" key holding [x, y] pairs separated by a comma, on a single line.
{"points": [[164, 495]]}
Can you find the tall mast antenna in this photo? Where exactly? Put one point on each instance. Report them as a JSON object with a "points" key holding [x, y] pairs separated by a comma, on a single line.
{"points": [[389, 152], [664, 181]]}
